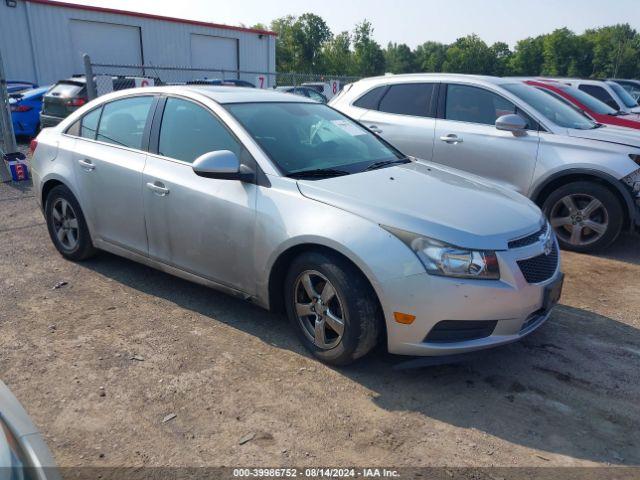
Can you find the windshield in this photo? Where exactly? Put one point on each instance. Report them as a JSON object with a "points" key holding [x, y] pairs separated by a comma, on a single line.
{"points": [[559, 113], [623, 94], [592, 103], [303, 137], [65, 89]]}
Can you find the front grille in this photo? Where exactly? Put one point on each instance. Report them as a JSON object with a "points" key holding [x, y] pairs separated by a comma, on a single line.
{"points": [[448, 331], [540, 268], [529, 239]]}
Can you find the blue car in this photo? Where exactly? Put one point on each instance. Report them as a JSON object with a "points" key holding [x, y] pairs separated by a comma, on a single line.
{"points": [[25, 111], [17, 86]]}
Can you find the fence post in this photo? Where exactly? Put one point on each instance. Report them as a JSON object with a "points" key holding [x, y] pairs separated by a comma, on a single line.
{"points": [[88, 75], [8, 136]]}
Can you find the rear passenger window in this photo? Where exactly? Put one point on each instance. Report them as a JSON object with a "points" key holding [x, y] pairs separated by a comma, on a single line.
{"points": [[601, 94], [408, 99], [475, 105], [189, 130], [123, 121], [89, 124], [371, 99]]}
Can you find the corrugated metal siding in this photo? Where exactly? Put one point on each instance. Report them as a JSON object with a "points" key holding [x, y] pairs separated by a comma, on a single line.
{"points": [[164, 42]]}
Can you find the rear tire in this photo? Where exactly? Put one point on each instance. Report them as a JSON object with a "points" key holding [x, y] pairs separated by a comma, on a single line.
{"points": [[585, 216], [340, 295], [67, 226]]}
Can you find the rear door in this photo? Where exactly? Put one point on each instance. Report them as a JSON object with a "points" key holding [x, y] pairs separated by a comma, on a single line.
{"points": [[109, 160], [201, 225], [405, 117], [467, 139]]}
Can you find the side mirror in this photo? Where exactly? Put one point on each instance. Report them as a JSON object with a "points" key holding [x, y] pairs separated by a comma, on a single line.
{"points": [[222, 164], [512, 123]]}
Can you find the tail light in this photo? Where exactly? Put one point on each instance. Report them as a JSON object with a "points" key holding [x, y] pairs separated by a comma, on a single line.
{"points": [[33, 144], [20, 108], [76, 102]]}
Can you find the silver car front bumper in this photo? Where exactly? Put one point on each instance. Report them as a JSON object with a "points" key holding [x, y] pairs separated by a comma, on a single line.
{"points": [[490, 312]]}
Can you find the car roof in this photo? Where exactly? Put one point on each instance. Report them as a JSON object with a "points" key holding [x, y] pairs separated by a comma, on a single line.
{"points": [[224, 94], [631, 80], [439, 77]]}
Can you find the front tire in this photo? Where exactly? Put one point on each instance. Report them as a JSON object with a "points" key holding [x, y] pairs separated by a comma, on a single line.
{"points": [[585, 216], [332, 307], [67, 226]]}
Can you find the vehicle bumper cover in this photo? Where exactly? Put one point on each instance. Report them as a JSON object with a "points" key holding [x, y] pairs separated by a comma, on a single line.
{"points": [[511, 302], [49, 121]]}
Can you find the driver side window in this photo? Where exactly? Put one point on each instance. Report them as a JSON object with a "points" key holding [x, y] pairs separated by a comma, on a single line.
{"points": [[475, 105], [189, 130]]}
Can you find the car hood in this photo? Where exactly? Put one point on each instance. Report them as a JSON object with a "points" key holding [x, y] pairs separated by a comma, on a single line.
{"points": [[618, 135], [433, 201]]}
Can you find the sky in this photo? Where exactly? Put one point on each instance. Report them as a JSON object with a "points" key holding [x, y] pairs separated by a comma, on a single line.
{"points": [[407, 21]]}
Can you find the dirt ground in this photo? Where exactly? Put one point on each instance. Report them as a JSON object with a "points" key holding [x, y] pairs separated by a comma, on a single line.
{"points": [[101, 361]]}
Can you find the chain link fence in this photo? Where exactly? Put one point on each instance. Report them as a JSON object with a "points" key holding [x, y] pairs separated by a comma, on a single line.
{"points": [[110, 77]]}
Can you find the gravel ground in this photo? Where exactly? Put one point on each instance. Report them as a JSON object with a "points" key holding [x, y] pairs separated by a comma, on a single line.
{"points": [[127, 366]]}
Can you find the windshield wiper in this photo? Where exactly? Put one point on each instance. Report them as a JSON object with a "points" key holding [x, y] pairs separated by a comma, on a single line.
{"points": [[319, 173], [384, 163]]}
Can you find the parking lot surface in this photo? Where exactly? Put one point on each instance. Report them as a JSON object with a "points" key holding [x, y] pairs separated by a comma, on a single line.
{"points": [[119, 364]]}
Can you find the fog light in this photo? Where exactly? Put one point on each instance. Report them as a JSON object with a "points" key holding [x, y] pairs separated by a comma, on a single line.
{"points": [[404, 318]]}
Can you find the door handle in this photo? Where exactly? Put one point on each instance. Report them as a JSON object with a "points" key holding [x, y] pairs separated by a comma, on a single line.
{"points": [[375, 129], [158, 188], [87, 165], [451, 138]]}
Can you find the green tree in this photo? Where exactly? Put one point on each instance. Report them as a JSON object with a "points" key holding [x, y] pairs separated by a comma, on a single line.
{"points": [[368, 57], [286, 49], [469, 55], [559, 51], [399, 58], [615, 51], [430, 56], [259, 26], [527, 58], [336, 54], [300, 41], [501, 59], [311, 33]]}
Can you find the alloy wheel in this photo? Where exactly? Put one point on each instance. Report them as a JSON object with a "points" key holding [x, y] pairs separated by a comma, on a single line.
{"points": [[319, 309], [65, 224], [579, 219]]}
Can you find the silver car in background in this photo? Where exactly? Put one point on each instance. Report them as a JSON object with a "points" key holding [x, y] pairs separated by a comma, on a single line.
{"points": [[23, 452], [584, 176], [289, 204]]}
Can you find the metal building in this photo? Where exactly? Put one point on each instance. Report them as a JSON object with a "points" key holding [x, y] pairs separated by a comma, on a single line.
{"points": [[43, 41]]}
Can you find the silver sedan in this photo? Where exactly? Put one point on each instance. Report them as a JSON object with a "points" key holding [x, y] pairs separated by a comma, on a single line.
{"points": [[291, 205]]}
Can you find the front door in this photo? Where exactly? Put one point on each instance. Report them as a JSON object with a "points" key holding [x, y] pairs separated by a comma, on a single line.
{"points": [[109, 160], [467, 139], [201, 225]]}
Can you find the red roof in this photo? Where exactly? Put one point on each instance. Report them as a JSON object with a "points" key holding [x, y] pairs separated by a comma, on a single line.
{"points": [[151, 16]]}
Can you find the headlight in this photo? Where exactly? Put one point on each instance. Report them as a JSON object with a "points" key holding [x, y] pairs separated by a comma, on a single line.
{"points": [[11, 453], [446, 260]]}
